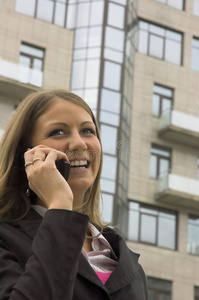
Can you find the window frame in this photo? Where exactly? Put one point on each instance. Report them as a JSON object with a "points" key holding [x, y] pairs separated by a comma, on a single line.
{"points": [[32, 57], [159, 157], [158, 290], [161, 96], [158, 210], [164, 39]]}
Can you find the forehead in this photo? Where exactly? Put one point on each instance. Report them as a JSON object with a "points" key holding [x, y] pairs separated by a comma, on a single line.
{"points": [[64, 109]]}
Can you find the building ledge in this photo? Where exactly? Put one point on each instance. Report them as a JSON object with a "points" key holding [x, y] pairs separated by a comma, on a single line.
{"points": [[178, 190], [179, 127], [178, 199]]}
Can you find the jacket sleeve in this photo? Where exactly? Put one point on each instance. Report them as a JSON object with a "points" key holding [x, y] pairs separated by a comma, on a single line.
{"points": [[51, 270]]}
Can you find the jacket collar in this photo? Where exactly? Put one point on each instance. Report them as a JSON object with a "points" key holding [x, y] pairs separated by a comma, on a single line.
{"points": [[126, 268]]}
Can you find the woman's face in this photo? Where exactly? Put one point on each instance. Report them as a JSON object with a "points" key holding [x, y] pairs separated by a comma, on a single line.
{"points": [[69, 128]]}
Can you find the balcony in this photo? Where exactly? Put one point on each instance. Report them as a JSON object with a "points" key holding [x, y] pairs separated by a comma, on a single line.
{"points": [[20, 73], [178, 190], [179, 127]]}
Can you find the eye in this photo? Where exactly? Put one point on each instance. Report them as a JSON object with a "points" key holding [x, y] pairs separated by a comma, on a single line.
{"points": [[88, 131], [57, 132]]}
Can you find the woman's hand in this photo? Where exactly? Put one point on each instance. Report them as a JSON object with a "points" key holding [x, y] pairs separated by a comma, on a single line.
{"points": [[44, 178]]}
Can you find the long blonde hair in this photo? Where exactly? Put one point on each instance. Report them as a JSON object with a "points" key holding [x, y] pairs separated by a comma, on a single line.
{"points": [[14, 204]]}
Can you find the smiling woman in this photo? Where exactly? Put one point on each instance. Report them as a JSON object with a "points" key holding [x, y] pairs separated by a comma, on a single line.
{"points": [[52, 240]]}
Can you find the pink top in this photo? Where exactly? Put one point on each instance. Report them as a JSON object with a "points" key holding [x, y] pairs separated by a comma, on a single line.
{"points": [[103, 276]]}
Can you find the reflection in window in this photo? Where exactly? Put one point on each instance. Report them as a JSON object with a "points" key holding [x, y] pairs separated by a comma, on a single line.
{"points": [[179, 4], [160, 42], [31, 56], [195, 54], [159, 289], [162, 100], [193, 235], [196, 7], [159, 161], [196, 292], [152, 225]]}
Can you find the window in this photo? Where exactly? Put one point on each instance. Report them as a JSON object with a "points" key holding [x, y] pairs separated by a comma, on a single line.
{"points": [[159, 289], [162, 100], [193, 235], [179, 4], [152, 225], [160, 42], [159, 161], [195, 54], [31, 56], [196, 293], [196, 7]]}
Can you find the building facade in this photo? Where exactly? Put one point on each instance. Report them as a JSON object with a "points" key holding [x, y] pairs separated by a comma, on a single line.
{"points": [[136, 63]]}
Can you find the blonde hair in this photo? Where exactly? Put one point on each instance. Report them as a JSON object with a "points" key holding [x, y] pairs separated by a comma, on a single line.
{"points": [[14, 204]]}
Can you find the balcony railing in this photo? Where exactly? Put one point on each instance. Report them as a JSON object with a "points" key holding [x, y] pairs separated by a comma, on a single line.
{"points": [[179, 127], [178, 190], [20, 73]]}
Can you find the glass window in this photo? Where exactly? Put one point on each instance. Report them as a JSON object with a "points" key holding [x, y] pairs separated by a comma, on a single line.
{"points": [[110, 101], [198, 169], [113, 55], [92, 73], [196, 7], [71, 16], [60, 11], [179, 4], [109, 139], [159, 161], [109, 167], [158, 41], [78, 74], [108, 185], [107, 207], [109, 118], [81, 37], [95, 36], [193, 234], [91, 96], [82, 14], [113, 81], [22, 7], [31, 56], [97, 13], [114, 38], [159, 289], [45, 10], [195, 54], [114, 11], [162, 100], [152, 225]]}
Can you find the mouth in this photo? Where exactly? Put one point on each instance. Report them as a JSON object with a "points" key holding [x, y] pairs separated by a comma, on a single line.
{"points": [[79, 164]]}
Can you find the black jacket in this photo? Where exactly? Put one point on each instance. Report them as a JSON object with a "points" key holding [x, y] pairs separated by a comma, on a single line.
{"points": [[41, 259]]}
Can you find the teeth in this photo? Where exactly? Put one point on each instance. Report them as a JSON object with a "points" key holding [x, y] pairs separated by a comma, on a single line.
{"points": [[78, 163]]}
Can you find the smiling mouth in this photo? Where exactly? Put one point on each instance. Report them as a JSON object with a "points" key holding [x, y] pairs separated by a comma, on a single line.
{"points": [[79, 164]]}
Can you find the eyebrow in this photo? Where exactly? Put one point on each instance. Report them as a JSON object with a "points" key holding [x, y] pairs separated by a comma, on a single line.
{"points": [[66, 125]]}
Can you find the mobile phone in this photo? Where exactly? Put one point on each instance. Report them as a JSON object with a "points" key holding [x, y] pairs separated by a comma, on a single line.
{"points": [[63, 167]]}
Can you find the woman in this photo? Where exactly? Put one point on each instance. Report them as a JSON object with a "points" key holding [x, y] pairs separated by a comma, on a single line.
{"points": [[51, 247]]}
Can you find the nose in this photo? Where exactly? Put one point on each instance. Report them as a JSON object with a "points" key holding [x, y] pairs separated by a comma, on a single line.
{"points": [[76, 142]]}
